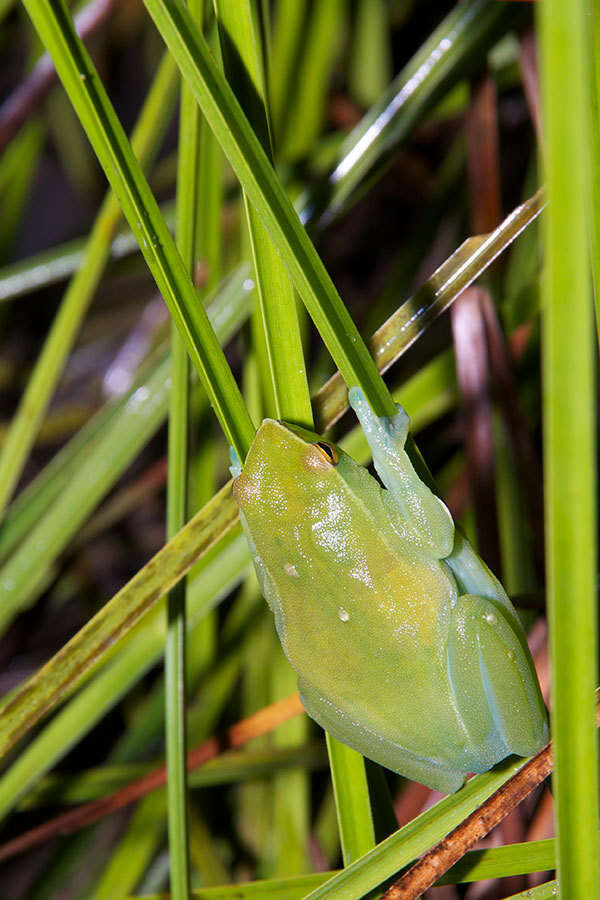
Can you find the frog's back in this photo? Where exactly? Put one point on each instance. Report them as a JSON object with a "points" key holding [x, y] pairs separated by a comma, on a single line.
{"points": [[384, 649], [363, 622]]}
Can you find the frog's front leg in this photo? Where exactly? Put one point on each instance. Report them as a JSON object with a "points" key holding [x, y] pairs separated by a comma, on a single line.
{"points": [[415, 513], [493, 684]]}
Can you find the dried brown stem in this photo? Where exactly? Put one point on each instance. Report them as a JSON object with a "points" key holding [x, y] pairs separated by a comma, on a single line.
{"points": [[472, 369], [529, 77], [262, 722], [453, 847]]}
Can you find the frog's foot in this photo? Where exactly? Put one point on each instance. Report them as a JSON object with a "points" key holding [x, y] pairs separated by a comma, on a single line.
{"points": [[387, 753], [389, 431], [236, 465], [493, 683], [415, 513]]}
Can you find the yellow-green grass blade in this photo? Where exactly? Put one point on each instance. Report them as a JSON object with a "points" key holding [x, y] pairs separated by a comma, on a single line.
{"points": [[265, 192], [42, 382], [217, 574], [104, 131], [593, 74], [371, 64], [569, 407], [416, 314]]}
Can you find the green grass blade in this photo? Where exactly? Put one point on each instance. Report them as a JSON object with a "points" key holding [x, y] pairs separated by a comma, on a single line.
{"points": [[188, 189], [541, 892], [137, 846], [569, 400], [494, 862], [229, 768], [50, 363], [241, 45], [18, 167], [51, 266], [307, 106], [241, 31], [267, 195], [285, 51], [76, 71], [351, 791]]}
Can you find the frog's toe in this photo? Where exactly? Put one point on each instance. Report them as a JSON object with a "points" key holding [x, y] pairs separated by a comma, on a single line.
{"points": [[493, 683]]}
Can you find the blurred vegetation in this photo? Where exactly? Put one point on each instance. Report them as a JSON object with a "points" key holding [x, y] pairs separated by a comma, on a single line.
{"points": [[409, 138]]}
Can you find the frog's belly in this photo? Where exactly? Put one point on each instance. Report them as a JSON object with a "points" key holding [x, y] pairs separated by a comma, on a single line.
{"points": [[379, 656]]}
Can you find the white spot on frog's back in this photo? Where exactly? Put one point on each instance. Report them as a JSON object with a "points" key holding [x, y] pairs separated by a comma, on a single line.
{"points": [[491, 618], [331, 522], [361, 572], [343, 614], [291, 570]]}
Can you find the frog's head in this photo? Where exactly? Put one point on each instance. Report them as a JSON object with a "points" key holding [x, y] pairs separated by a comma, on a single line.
{"points": [[281, 460], [284, 463]]}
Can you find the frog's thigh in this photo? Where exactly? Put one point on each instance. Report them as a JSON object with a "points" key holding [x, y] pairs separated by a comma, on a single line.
{"points": [[492, 682], [387, 753]]}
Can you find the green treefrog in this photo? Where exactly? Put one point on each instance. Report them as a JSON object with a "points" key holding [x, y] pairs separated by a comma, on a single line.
{"points": [[406, 646]]}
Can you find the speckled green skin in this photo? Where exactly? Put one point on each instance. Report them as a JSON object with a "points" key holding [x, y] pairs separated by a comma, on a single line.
{"points": [[405, 645]]}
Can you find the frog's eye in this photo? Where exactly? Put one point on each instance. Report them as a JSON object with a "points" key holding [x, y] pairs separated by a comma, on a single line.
{"points": [[327, 451]]}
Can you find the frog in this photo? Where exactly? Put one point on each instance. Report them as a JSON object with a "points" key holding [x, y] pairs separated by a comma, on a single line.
{"points": [[406, 645]]}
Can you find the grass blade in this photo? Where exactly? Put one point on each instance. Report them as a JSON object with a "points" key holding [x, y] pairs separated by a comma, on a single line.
{"points": [[50, 363], [570, 445], [255, 173], [217, 574], [106, 135]]}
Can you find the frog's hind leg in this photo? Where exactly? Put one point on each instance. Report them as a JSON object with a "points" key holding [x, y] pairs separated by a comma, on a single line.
{"points": [[493, 683], [388, 753]]}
